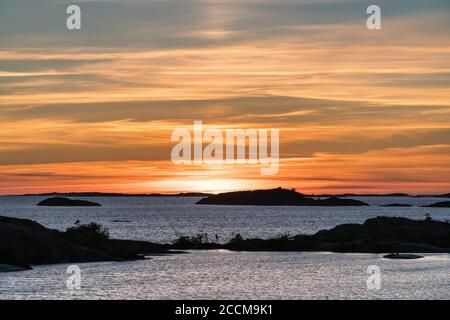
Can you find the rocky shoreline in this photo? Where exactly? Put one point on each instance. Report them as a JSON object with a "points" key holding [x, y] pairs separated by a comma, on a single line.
{"points": [[24, 243], [66, 202], [378, 235]]}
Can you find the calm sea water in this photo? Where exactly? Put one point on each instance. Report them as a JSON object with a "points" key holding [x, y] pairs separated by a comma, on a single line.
{"points": [[231, 275], [223, 274], [160, 219]]}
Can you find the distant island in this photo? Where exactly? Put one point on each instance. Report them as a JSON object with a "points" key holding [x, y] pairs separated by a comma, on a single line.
{"points": [[447, 195], [275, 197], [365, 195], [108, 194], [65, 202], [397, 205], [397, 256], [444, 204], [205, 194], [24, 242]]}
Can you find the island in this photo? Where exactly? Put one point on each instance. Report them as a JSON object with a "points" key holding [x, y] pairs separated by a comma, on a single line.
{"points": [[275, 197], [12, 268], [25, 242], [444, 204], [66, 202], [377, 235], [397, 205], [327, 195], [112, 194], [447, 195], [398, 256]]}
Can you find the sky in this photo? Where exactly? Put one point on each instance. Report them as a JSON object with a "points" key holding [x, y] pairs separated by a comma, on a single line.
{"points": [[363, 111]]}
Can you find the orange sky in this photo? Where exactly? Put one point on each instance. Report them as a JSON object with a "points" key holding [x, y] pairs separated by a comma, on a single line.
{"points": [[358, 110]]}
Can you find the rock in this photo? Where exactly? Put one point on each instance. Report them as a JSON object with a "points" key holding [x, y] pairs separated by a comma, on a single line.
{"points": [[339, 202], [399, 205], [25, 242], [416, 247], [402, 256], [382, 233], [444, 204], [12, 268], [275, 197], [447, 195], [65, 202]]}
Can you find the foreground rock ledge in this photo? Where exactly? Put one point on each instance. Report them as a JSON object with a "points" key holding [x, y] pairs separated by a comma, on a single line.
{"points": [[444, 204], [397, 256], [25, 242], [378, 235], [11, 268]]}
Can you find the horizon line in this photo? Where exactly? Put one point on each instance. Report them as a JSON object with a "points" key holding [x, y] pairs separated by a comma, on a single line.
{"points": [[181, 193]]}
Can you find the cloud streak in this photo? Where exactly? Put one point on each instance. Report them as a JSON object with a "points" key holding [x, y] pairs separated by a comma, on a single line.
{"points": [[357, 110]]}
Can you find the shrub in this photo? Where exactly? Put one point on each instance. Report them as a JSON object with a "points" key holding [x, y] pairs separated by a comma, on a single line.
{"points": [[236, 240], [88, 233], [197, 240]]}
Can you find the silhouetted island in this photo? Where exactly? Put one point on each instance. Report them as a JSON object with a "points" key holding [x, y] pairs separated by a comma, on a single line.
{"points": [[12, 268], [112, 194], [275, 197], [344, 195], [203, 194], [394, 205], [447, 195], [444, 204], [65, 202], [25, 242], [378, 235], [398, 256]]}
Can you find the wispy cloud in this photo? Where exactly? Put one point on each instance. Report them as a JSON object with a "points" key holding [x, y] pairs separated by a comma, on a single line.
{"points": [[94, 109]]}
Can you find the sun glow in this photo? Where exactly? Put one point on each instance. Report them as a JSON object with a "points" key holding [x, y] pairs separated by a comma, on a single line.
{"points": [[203, 185]]}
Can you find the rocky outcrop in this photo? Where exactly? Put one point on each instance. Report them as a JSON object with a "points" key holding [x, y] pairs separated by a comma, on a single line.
{"points": [[275, 197], [378, 235], [397, 205], [338, 202], [25, 242], [444, 204], [65, 202], [11, 268], [398, 256]]}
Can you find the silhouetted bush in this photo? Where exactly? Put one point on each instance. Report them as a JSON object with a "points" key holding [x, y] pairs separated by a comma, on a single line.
{"points": [[87, 233], [199, 240], [237, 240], [282, 237]]}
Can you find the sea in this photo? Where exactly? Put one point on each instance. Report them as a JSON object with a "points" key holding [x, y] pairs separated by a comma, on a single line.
{"points": [[221, 274]]}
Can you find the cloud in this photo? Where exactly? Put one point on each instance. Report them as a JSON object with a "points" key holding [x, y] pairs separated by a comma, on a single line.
{"points": [[95, 108]]}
